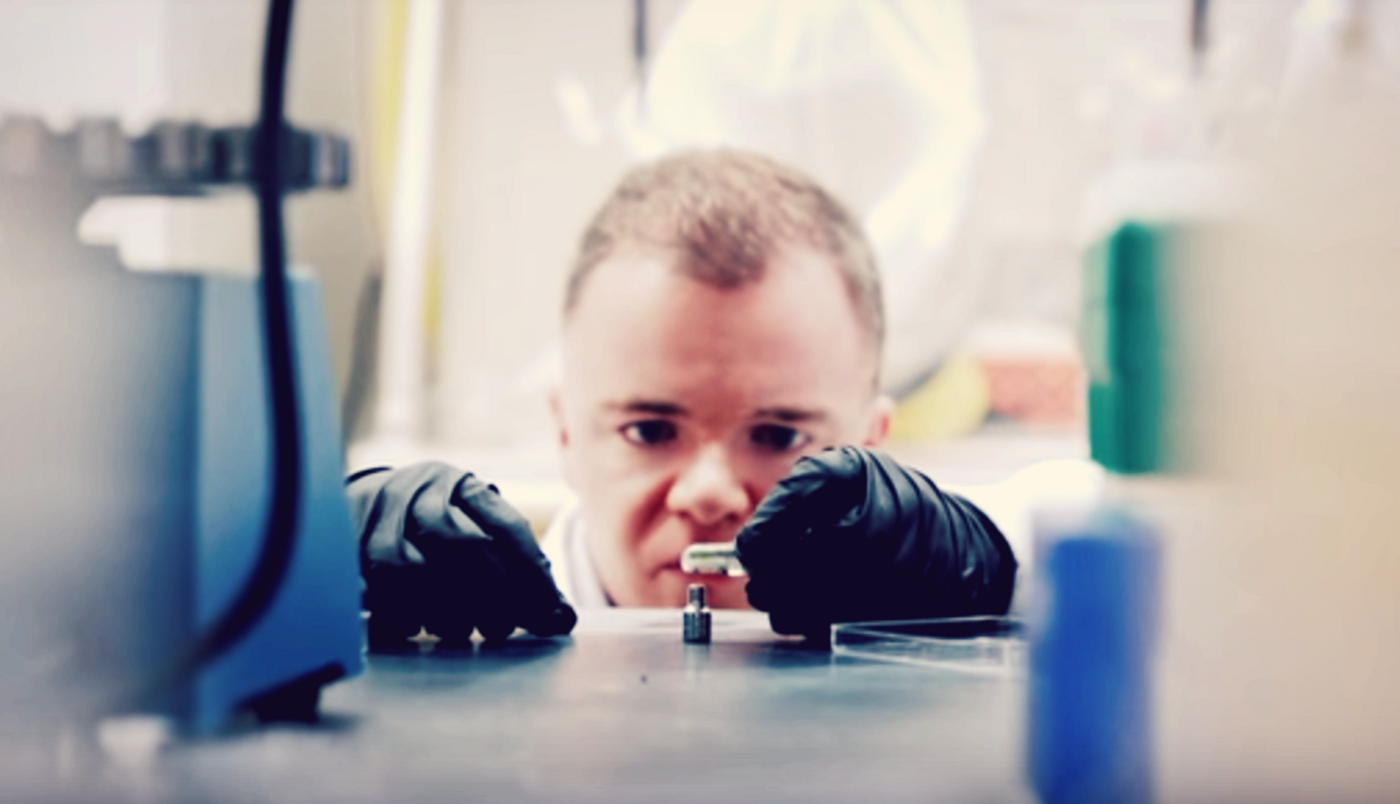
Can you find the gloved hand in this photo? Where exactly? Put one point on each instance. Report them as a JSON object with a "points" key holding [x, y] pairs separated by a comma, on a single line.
{"points": [[851, 535], [442, 550]]}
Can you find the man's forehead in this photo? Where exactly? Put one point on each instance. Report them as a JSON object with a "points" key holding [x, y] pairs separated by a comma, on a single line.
{"points": [[628, 258], [645, 330], [665, 274]]}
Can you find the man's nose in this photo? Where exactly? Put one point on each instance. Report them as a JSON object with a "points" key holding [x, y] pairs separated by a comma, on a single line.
{"points": [[708, 490]]}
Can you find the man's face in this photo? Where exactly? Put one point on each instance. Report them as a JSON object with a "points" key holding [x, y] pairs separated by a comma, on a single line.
{"points": [[683, 403]]}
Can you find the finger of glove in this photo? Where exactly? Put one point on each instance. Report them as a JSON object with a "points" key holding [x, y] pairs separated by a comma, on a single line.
{"points": [[795, 582], [795, 624], [458, 584], [811, 572], [494, 593], [842, 568], [886, 545], [399, 605], [814, 588], [469, 581], [513, 604], [452, 549], [488, 565], [897, 506], [437, 525], [465, 592], [381, 505], [558, 622], [973, 568], [927, 552], [531, 597], [818, 491], [496, 631], [915, 522]]}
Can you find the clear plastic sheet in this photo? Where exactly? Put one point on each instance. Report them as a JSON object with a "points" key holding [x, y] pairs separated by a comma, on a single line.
{"points": [[994, 646]]}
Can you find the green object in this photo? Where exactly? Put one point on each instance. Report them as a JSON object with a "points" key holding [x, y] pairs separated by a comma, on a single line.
{"points": [[1124, 348]]}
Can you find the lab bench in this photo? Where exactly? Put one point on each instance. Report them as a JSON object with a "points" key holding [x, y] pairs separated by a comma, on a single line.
{"points": [[621, 711]]}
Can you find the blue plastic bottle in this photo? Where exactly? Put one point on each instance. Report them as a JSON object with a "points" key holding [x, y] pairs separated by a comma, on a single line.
{"points": [[1092, 632]]}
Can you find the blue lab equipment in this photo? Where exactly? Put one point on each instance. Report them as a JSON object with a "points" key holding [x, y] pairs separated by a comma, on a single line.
{"points": [[1092, 631], [136, 473], [311, 632]]}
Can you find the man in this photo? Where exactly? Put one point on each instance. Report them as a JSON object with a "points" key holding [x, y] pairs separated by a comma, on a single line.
{"points": [[722, 321]]}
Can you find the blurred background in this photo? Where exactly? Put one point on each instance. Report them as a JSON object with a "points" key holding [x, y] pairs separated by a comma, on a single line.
{"points": [[984, 144], [995, 149]]}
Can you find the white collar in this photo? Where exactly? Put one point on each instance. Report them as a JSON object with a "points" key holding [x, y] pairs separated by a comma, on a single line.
{"points": [[565, 544]]}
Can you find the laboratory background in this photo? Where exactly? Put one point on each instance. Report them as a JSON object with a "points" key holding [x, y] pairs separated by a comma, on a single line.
{"points": [[1136, 253]]}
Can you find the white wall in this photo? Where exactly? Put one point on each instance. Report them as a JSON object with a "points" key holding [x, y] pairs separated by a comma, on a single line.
{"points": [[517, 191], [1072, 89], [1069, 88]]}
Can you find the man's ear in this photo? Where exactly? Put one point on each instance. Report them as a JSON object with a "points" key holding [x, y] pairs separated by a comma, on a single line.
{"points": [[881, 411], [561, 426], [556, 408]]}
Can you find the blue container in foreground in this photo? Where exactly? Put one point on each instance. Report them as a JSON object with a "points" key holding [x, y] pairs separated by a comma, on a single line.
{"points": [[1090, 724], [311, 633], [135, 473]]}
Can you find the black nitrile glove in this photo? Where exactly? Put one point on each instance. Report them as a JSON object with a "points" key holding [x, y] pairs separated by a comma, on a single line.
{"points": [[851, 535], [442, 550]]}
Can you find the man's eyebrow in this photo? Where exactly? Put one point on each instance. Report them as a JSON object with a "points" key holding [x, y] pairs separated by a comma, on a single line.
{"points": [[790, 415], [651, 406]]}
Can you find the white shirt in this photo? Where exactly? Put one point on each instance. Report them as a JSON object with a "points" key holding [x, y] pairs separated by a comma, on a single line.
{"points": [[565, 544]]}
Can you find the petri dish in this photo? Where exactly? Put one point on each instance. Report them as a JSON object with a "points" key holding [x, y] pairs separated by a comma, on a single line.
{"points": [[983, 645]]}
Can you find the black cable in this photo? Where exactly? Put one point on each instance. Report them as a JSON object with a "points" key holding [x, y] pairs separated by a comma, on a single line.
{"points": [[1200, 31], [269, 178], [640, 46], [639, 38]]}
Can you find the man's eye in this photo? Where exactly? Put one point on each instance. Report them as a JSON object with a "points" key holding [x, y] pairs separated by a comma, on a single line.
{"points": [[778, 437], [650, 432]]}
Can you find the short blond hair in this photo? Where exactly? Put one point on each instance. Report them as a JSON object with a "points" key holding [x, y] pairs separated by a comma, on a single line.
{"points": [[728, 212]]}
